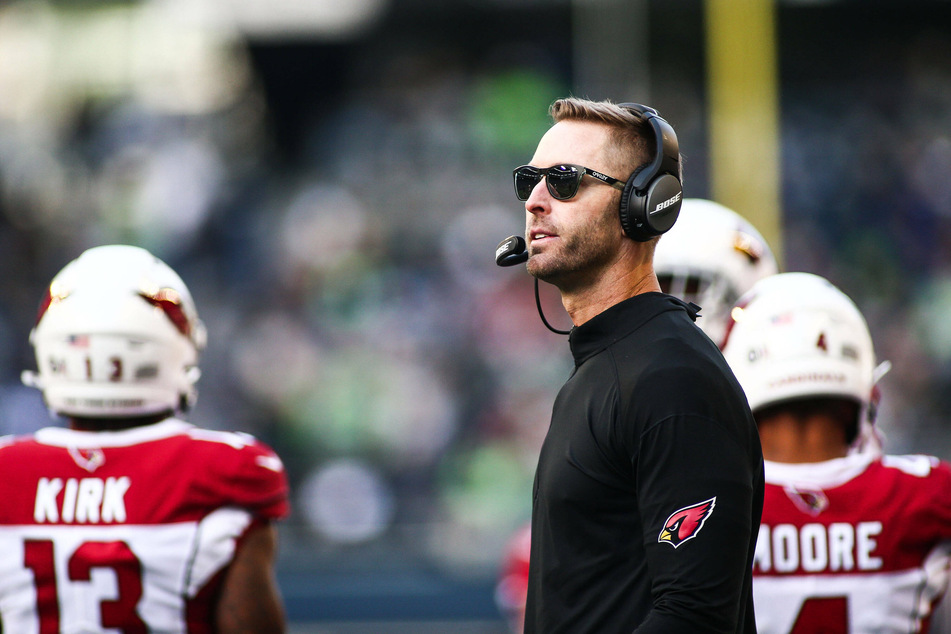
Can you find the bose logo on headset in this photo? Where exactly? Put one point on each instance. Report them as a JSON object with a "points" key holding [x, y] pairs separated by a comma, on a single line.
{"points": [[667, 203]]}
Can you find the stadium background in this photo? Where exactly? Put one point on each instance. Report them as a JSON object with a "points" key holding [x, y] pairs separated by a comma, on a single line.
{"points": [[331, 178]]}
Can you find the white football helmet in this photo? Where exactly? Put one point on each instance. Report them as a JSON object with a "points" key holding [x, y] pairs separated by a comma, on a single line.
{"points": [[117, 335], [710, 257], [796, 335]]}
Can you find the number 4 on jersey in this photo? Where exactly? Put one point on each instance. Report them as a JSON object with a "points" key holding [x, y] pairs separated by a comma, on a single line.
{"points": [[823, 615]]}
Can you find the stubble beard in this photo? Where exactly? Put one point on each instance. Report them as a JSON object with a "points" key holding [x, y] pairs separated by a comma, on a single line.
{"points": [[580, 256]]}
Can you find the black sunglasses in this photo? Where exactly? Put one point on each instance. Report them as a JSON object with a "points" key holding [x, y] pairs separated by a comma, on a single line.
{"points": [[562, 181]]}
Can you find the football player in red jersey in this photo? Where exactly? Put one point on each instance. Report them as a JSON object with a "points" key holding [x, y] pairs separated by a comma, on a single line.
{"points": [[709, 257], [851, 540], [131, 519], [511, 589]]}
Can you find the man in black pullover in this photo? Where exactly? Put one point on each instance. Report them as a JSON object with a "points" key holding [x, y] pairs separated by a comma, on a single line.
{"points": [[649, 487]]}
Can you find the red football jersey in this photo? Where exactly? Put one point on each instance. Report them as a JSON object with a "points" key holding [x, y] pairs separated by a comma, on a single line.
{"points": [[857, 544], [129, 530]]}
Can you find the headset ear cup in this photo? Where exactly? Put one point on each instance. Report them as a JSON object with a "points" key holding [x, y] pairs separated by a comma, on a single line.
{"points": [[662, 203], [631, 210], [650, 202], [644, 216]]}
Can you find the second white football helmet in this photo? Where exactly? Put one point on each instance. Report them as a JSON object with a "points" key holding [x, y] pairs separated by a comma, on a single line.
{"points": [[117, 335], [795, 335], [710, 257]]}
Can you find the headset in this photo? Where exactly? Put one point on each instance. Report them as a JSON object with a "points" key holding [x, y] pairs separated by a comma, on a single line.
{"points": [[650, 202]]}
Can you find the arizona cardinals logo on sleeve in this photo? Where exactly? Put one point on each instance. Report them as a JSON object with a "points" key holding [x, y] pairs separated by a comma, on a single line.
{"points": [[685, 523]]}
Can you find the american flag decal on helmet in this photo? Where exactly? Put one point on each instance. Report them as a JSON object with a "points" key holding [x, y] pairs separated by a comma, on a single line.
{"points": [[684, 524]]}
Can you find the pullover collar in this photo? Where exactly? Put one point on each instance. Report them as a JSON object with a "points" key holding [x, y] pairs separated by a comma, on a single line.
{"points": [[620, 320]]}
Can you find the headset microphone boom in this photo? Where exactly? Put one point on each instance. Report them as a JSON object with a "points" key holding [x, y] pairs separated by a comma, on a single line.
{"points": [[511, 251]]}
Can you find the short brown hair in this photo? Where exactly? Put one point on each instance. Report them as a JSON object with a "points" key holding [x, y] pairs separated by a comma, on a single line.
{"points": [[633, 136]]}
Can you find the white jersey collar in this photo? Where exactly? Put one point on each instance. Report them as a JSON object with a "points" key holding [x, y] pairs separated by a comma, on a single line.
{"points": [[63, 437], [827, 474]]}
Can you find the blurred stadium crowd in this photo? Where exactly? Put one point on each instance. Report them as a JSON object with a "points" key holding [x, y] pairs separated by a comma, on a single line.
{"points": [[338, 242]]}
